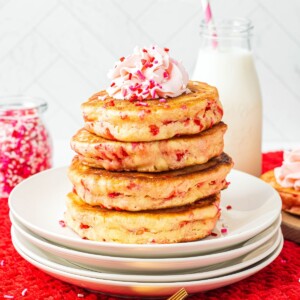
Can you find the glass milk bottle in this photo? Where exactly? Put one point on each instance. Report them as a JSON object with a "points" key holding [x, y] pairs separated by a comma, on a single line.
{"points": [[225, 61]]}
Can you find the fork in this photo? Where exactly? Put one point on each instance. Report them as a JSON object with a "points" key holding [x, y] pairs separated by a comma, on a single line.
{"points": [[179, 295]]}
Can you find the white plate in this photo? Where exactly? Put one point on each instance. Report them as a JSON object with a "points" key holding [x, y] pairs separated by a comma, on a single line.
{"points": [[144, 289], [129, 265], [39, 203], [60, 264]]}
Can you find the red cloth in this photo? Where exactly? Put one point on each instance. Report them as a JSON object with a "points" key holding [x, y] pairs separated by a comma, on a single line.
{"points": [[279, 280]]}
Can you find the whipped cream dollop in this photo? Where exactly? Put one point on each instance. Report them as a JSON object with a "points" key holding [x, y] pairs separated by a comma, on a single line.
{"points": [[288, 175], [149, 73]]}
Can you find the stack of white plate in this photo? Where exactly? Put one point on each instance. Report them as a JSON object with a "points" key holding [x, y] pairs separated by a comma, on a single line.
{"points": [[252, 241]]}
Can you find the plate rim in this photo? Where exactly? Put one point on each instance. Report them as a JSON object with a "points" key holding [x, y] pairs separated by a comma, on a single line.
{"points": [[230, 240], [198, 284], [252, 247], [145, 278]]}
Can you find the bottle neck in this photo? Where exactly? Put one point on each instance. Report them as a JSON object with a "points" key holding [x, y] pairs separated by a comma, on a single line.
{"points": [[227, 35]]}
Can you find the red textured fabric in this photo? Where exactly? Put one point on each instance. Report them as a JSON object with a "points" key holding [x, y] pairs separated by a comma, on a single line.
{"points": [[279, 280]]}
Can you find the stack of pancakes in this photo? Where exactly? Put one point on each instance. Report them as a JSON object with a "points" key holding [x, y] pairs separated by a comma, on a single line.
{"points": [[148, 171]]}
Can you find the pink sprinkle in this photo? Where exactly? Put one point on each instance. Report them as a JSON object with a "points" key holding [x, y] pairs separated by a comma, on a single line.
{"points": [[141, 75], [24, 292], [8, 297], [141, 103], [283, 261], [228, 207], [62, 223], [162, 100], [166, 74], [2, 263], [134, 145], [153, 93], [80, 296], [124, 92], [223, 230], [156, 61]]}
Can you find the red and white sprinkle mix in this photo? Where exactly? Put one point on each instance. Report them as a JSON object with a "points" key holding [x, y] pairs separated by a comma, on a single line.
{"points": [[24, 292], [62, 223], [228, 207], [24, 147]]}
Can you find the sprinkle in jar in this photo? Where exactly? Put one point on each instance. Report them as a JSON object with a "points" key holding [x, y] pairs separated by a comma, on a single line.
{"points": [[25, 146]]}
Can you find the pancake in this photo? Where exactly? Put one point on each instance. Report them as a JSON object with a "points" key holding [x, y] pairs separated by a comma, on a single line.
{"points": [[156, 156], [152, 120], [174, 225], [133, 191], [290, 197]]}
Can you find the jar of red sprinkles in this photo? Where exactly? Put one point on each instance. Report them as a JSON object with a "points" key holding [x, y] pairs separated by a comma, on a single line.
{"points": [[25, 146]]}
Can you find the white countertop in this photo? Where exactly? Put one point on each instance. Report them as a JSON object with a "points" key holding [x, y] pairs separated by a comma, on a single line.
{"points": [[62, 153]]}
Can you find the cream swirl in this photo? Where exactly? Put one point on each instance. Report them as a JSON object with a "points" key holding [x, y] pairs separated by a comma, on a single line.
{"points": [[288, 175], [149, 73]]}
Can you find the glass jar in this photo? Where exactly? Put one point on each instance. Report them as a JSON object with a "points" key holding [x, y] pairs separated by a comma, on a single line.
{"points": [[25, 147], [225, 60]]}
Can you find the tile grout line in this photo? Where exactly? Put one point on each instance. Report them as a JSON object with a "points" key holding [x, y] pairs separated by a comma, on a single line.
{"points": [[24, 37], [35, 78], [87, 27], [133, 22], [62, 55], [278, 130], [153, 2], [68, 112], [183, 25], [3, 5], [278, 77], [291, 36]]}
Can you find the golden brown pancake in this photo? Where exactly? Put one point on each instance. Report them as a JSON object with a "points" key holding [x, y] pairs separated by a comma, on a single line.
{"points": [[173, 225], [153, 120], [156, 156], [133, 191], [290, 197]]}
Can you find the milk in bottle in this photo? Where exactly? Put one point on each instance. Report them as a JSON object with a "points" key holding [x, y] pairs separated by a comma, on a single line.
{"points": [[225, 60]]}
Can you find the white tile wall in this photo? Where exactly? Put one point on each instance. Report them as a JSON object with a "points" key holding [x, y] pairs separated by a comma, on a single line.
{"points": [[62, 49]]}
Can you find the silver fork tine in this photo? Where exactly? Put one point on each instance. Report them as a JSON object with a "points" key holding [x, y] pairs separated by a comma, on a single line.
{"points": [[179, 295]]}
